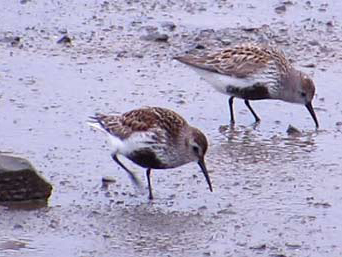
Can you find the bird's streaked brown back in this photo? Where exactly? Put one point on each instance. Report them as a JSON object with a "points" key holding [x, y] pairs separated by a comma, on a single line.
{"points": [[143, 119], [239, 61]]}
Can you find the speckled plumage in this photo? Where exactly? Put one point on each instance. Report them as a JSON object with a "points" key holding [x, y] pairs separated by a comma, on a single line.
{"points": [[153, 138], [142, 120], [254, 72]]}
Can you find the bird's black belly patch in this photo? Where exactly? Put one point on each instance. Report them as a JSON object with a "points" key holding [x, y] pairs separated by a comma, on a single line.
{"points": [[146, 158], [257, 91]]}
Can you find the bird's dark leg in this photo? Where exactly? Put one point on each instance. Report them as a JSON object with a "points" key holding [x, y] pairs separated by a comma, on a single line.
{"points": [[148, 173], [257, 119], [230, 101], [131, 174]]}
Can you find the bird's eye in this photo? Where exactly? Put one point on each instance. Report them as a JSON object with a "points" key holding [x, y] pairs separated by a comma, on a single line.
{"points": [[195, 149], [303, 94]]}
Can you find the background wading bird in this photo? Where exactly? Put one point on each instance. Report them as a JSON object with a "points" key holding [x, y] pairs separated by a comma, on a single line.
{"points": [[253, 72]]}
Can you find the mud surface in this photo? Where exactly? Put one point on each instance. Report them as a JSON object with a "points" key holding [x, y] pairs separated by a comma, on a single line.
{"points": [[275, 194]]}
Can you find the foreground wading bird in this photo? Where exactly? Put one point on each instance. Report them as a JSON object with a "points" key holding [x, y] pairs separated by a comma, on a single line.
{"points": [[254, 72], [153, 138]]}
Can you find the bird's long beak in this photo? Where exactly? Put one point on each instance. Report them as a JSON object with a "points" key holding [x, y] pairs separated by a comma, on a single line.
{"points": [[312, 112], [201, 163]]}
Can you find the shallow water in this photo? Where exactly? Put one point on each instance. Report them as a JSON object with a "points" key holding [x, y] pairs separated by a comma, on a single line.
{"points": [[274, 194]]}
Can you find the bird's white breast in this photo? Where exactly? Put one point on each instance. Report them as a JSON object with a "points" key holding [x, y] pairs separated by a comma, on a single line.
{"points": [[220, 82], [137, 141]]}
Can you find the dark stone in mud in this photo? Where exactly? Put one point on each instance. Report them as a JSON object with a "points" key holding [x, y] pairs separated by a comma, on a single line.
{"points": [[169, 25], [19, 181], [15, 41], [280, 9], [250, 29], [64, 40], [330, 23], [155, 36], [108, 179], [292, 131], [314, 42], [12, 40], [199, 46], [309, 65], [259, 247], [293, 246]]}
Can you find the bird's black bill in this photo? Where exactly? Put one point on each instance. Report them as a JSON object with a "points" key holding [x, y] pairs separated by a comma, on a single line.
{"points": [[201, 163], [312, 112]]}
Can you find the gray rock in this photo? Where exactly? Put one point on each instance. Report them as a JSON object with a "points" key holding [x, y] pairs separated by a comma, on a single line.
{"points": [[66, 40], [11, 40], [280, 9], [19, 180], [168, 25], [292, 131], [108, 179], [155, 36]]}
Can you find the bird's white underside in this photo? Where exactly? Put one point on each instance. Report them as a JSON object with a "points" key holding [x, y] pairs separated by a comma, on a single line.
{"points": [[220, 81], [142, 140]]}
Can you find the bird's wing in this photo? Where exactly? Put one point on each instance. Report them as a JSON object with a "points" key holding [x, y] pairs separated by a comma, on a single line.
{"points": [[154, 117], [111, 124], [239, 61], [150, 118]]}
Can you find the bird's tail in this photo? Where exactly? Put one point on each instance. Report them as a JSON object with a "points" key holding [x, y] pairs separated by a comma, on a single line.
{"points": [[96, 122]]}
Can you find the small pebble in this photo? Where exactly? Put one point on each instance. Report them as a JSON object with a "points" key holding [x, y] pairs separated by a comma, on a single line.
{"points": [[169, 25], [309, 65], [155, 36], [330, 23], [293, 245], [280, 9], [64, 40], [293, 131], [108, 179], [259, 247], [15, 41], [249, 29], [199, 46], [17, 226]]}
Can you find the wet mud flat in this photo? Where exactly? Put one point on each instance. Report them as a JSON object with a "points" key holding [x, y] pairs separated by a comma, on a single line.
{"points": [[275, 194]]}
